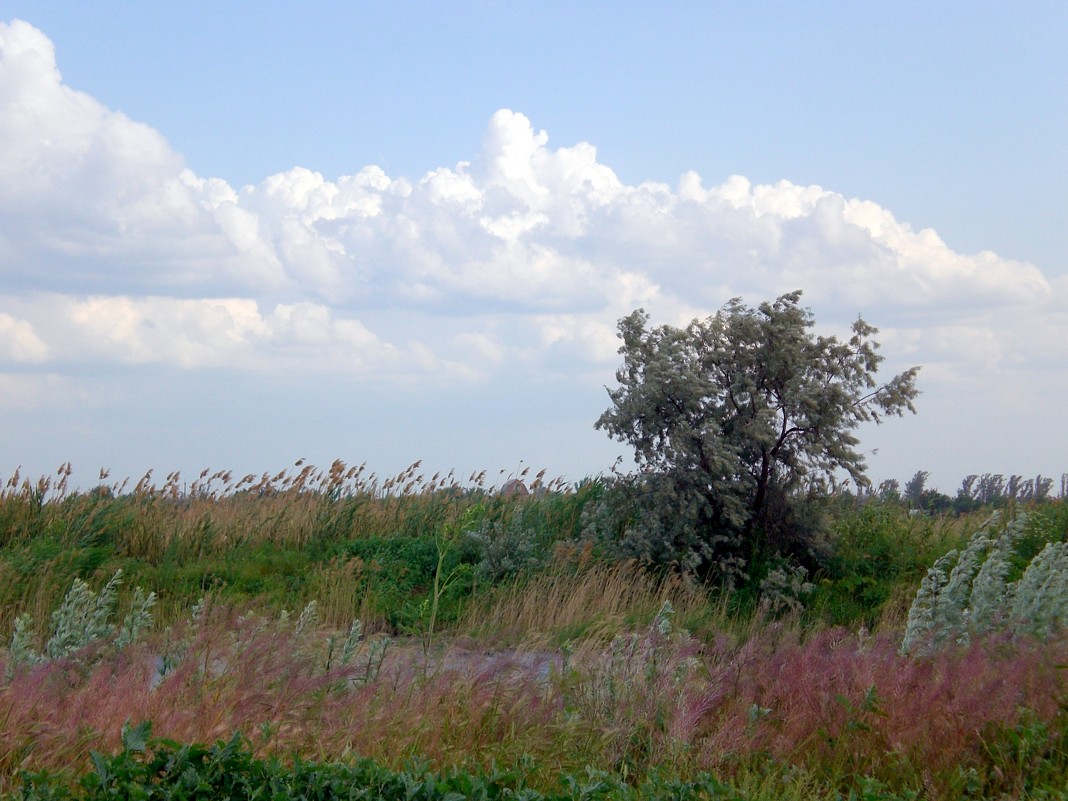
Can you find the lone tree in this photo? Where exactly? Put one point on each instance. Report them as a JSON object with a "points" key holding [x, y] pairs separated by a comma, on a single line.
{"points": [[733, 419]]}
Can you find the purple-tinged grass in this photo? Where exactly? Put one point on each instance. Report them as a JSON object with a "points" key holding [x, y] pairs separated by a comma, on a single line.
{"points": [[827, 706]]}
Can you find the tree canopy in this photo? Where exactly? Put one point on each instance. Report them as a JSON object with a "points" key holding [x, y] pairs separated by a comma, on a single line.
{"points": [[742, 410]]}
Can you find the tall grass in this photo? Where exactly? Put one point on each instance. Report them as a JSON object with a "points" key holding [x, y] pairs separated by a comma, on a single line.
{"points": [[578, 598], [339, 536], [215, 513], [277, 538], [829, 706]]}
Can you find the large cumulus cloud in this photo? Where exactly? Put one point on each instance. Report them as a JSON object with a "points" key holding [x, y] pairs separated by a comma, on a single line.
{"points": [[113, 251]]}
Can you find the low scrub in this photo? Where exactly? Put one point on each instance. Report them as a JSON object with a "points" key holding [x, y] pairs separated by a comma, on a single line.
{"points": [[161, 769]]}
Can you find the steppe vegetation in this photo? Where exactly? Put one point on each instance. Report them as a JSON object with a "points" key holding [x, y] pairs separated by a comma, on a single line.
{"points": [[321, 633]]}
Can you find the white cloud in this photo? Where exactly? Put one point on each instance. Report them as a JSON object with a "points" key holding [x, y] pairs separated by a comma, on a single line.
{"points": [[19, 342], [523, 226], [236, 333], [113, 252]]}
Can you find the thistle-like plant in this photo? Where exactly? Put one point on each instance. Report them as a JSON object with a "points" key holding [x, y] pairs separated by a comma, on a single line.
{"points": [[21, 649], [976, 596], [352, 642], [83, 617], [991, 593], [308, 620], [632, 666], [351, 650], [783, 589], [924, 614], [138, 620], [1040, 603]]}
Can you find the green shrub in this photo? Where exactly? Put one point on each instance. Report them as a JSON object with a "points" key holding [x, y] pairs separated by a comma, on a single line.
{"points": [[874, 554], [398, 572], [148, 768], [660, 520]]}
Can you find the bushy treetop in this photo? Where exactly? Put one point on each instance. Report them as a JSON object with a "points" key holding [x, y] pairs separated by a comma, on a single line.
{"points": [[749, 403]]}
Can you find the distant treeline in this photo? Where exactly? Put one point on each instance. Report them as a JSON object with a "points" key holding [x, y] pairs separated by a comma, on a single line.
{"points": [[976, 491]]}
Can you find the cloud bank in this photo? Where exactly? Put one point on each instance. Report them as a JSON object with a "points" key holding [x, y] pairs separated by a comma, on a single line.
{"points": [[115, 253]]}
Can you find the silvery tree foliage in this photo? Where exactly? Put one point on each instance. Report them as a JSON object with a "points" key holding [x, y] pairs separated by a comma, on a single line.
{"points": [[732, 419]]}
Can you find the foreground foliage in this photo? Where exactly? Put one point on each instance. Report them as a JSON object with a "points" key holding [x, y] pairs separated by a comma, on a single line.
{"points": [[162, 769]]}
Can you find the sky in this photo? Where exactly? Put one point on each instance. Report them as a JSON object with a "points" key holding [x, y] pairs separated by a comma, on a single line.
{"points": [[235, 235]]}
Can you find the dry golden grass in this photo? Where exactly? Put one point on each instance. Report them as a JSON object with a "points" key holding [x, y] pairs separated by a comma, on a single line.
{"points": [[581, 600], [215, 512], [342, 595]]}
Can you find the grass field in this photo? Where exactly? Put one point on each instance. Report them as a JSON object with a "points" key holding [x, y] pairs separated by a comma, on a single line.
{"points": [[497, 648]]}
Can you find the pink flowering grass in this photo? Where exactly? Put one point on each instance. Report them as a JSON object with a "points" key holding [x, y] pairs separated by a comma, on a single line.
{"points": [[845, 707], [828, 703], [241, 673]]}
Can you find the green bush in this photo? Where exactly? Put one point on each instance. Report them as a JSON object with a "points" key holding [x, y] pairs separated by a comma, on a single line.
{"points": [[399, 573], [146, 768], [873, 551]]}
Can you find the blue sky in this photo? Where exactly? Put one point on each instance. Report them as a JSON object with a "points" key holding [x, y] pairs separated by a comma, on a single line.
{"points": [[187, 298]]}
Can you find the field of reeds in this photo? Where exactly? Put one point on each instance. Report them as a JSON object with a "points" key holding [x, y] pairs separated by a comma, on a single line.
{"points": [[321, 633]]}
